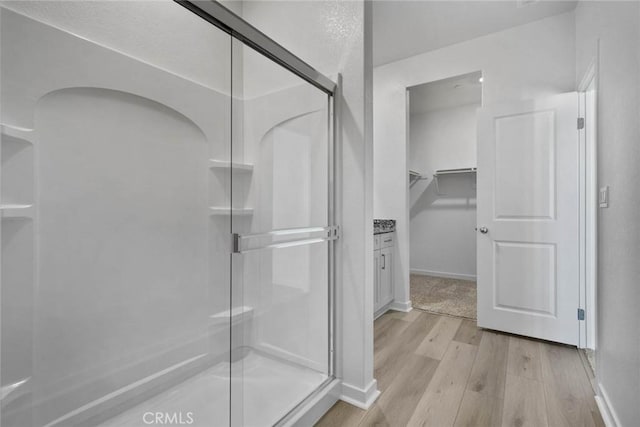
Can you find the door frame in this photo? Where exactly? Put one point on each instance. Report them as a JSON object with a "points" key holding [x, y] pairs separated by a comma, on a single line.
{"points": [[588, 207], [407, 169]]}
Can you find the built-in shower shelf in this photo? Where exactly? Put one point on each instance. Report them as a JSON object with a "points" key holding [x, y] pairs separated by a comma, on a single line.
{"points": [[16, 211], [236, 314], [17, 171], [236, 167], [17, 132], [228, 211]]}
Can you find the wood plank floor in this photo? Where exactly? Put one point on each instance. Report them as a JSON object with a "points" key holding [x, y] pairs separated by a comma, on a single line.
{"points": [[443, 371]]}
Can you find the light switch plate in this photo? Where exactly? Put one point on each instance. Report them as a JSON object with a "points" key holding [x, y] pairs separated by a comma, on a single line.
{"points": [[603, 197]]}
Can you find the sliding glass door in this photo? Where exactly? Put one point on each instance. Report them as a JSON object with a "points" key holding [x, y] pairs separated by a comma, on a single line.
{"points": [[283, 232]]}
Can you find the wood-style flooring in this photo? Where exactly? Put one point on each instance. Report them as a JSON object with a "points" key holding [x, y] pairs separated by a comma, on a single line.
{"points": [[443, 371]]}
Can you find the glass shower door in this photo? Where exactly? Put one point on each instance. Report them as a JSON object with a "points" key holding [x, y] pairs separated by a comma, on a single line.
{"points": [[282, 225]]}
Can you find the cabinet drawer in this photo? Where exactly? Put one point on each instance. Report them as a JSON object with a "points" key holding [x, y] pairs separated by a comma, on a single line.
{"points": [[376, 242], [386, 240]]}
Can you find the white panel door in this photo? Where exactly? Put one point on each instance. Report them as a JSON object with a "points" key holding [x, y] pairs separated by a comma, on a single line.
{"points": [[528, 218]]}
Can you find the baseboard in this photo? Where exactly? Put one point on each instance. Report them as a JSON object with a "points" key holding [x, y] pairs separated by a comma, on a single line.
{"points": [[444, 274], [606, 409], [382, 310], [401, 306], [361, 398]]}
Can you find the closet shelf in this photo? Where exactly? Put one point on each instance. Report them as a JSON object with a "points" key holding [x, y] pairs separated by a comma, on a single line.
{"points": [[221, 211], [445, 172], [16, 211], [440, 172], [236, 167]]}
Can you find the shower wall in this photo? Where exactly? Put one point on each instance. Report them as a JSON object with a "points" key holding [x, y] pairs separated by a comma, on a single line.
{"points": [[112, 269], [156, 32]]}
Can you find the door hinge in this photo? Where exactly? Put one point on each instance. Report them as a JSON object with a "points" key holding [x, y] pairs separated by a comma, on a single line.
{"points": [[580, 123], [580, 314]]}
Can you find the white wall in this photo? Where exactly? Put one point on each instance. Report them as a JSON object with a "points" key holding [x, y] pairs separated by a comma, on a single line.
{"points": [[442, 235], [616, 26], [519, 63]]}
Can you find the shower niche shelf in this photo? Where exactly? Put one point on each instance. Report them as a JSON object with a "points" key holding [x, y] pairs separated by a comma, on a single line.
{"points": [[222, 211], [17, 132], [17, 169], [236, 315], [16, 211], [226, 166]]}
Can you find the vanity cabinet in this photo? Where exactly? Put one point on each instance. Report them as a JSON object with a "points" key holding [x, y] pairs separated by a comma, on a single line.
{"points": [[383, 257]]}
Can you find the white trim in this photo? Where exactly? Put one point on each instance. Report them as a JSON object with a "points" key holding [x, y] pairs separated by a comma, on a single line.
{"points": [[444, 274], [311, 412], [606, 409], [588, 207], [382, 310], [582, 220], [361, 398], [405, 307], [589, 75]]}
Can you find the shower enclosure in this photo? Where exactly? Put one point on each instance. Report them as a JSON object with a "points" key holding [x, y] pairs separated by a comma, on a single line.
{"points": [[167, 230]]}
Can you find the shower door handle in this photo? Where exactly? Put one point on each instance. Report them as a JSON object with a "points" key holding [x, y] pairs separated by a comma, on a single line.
{"points": [[285, 238], [384, 262]]}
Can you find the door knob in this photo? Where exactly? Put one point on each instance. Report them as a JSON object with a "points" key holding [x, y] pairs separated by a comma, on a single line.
{"points": [[484, 230]]}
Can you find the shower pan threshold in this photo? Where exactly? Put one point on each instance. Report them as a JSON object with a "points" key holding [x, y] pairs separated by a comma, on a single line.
{"points": [[269, 388]]}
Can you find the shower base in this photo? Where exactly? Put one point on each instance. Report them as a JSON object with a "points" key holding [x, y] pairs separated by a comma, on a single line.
{"points": [[264, 389]]}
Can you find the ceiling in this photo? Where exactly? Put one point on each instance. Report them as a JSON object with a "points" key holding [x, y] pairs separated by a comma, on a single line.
{"points": [[447, 93], [404, 28]]}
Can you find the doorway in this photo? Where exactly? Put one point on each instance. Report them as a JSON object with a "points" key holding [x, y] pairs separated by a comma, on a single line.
{"points": [[442, 164]]}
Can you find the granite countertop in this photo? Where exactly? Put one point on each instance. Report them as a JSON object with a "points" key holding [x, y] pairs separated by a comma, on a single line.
{"points": [[384, 226]]}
